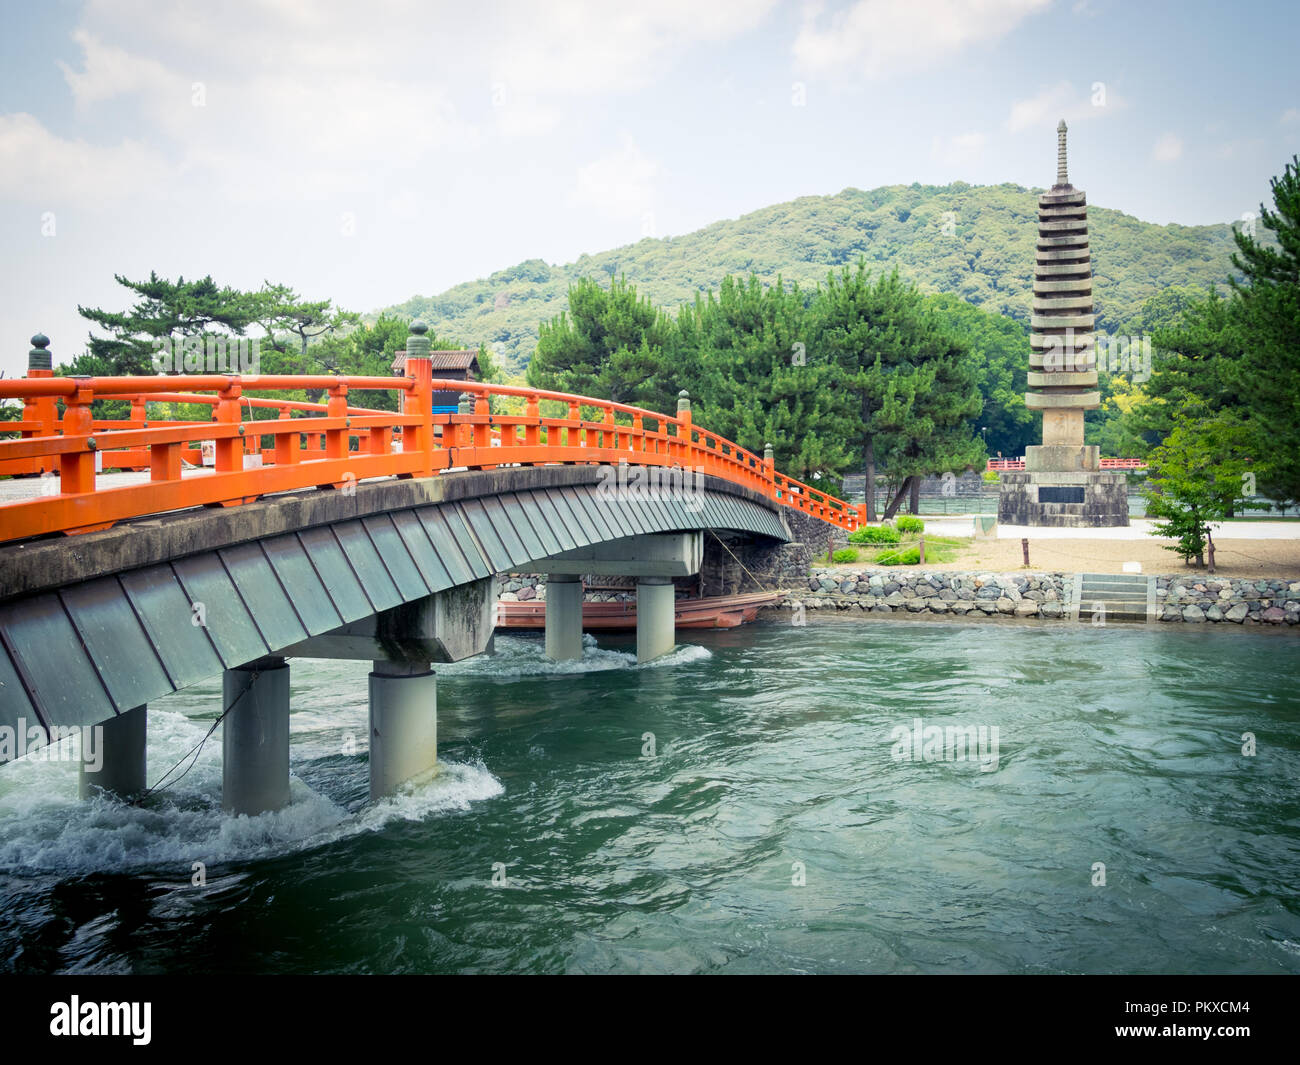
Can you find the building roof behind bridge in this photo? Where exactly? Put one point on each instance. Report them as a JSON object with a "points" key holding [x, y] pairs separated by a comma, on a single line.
{"points": [[465, 361]]}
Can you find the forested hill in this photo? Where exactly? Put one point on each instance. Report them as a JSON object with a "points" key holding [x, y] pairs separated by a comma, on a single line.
{"points": [[974, 241]]}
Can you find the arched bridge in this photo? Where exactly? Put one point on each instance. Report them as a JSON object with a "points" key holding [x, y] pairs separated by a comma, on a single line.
{"points": [[330, 530]]}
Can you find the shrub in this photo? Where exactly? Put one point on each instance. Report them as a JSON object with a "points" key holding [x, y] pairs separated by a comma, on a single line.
{"points": [[874, 534], [906, 523], [845, 554], [908, 557]]}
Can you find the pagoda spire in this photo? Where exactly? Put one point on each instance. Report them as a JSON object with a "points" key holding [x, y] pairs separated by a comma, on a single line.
{"points": [[1062, 178]]}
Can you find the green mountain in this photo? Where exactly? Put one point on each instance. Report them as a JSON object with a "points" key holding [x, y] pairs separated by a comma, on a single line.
{"points": [[976, 242]]}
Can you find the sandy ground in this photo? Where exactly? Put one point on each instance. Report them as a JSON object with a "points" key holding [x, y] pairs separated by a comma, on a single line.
{"points": [[1232, 558], [1242, 549]]}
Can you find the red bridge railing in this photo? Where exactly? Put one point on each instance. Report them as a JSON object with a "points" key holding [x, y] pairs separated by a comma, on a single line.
{"points": [[333, 444]]}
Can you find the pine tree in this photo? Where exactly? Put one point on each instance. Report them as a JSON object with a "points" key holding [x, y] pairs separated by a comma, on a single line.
{"points": [[1269, 367], [163, 309], [906, 387], [755, 383], [610, 344]]}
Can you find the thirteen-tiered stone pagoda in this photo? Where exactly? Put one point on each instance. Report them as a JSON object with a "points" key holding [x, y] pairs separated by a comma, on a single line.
{"points": [[1062, 483]]}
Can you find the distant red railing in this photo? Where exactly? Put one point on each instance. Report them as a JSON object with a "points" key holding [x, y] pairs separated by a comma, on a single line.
{"points": [[1106, 464], [332, 444]]}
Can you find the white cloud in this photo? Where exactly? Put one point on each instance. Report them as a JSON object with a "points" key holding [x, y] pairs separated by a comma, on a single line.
{"points": [[876, 38], [958, 150], [315, 118], [1168, 149], [592, 46], [111, 72], [38, 167], [1291, 114], [1063, 101], [618, 185]]}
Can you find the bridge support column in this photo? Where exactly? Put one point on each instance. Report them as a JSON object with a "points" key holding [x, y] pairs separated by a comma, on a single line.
{"points": [[113, 757], [563, 616], [403, 724], [255, 737], [655, 617]]}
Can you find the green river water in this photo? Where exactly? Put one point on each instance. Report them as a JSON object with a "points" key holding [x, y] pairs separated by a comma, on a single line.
{"points": [[740, 806]]}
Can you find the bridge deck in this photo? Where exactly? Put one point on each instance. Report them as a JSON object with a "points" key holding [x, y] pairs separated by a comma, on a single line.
{"points": [[96, 625]]}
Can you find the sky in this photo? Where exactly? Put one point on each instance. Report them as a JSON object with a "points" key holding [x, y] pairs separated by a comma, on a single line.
{"points": [[368, 152]]}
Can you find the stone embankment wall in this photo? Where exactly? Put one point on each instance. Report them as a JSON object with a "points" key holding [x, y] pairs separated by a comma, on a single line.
{"points": [[1044, 595], [1200, 599], [1192, 600]]}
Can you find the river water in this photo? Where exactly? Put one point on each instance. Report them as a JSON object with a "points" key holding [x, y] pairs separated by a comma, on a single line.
{"points": [[744, 805]]}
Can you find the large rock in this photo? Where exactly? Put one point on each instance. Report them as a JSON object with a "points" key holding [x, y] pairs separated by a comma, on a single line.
{"points": [[1193, 613], [1237, 613], [1274, 615], [1005, 605], [1026, 608]]}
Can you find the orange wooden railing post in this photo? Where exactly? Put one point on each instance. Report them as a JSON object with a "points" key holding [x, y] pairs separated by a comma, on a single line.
{"points": [[419, 400], [336, 440], [532, 433], [769, 471], [288, 445], [682, 451], [572, 435], [230, 449], [464, 430], [165, 462], [42, 409], [482, 428], [77, 469]]}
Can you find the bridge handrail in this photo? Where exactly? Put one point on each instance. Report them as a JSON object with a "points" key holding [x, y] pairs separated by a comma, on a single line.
{"points": [[475, 439]]}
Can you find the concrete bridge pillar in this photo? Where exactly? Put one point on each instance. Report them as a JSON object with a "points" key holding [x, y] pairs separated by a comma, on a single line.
{"points": [[113, 757], [403, 724], [563, 616], [655, 617], [255, 737]]}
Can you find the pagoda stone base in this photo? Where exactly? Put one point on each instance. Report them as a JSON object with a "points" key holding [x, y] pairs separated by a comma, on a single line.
{"points": [[1080, 499]]}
